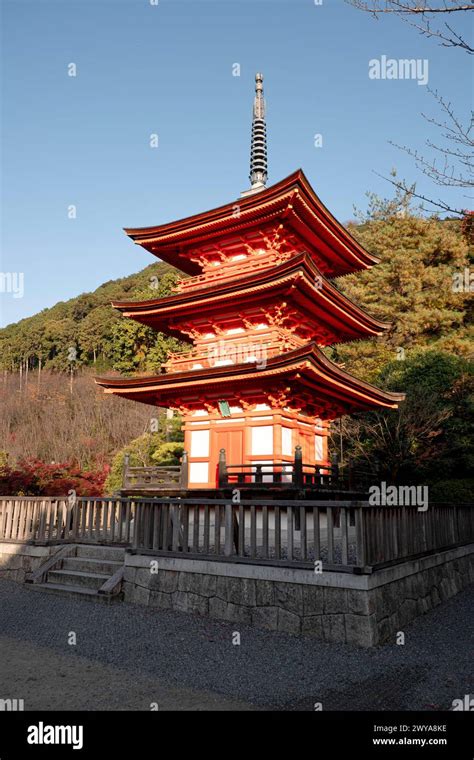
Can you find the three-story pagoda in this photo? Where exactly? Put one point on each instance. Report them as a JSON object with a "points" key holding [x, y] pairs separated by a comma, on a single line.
{"points": [[258, 307]]}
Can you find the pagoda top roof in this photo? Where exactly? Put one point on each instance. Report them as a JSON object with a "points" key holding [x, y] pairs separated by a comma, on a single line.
{"points": [[305, 373], [292, 201]]}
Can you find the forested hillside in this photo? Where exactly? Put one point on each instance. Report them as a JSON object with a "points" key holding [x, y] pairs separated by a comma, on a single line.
{"points": [[58, 430], [86, 330]]}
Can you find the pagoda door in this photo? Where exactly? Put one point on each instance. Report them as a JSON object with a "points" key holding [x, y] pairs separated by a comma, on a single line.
{"points": [[233, 443]]}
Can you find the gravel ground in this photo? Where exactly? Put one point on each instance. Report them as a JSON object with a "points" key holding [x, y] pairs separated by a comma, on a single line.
{"points": [[127, 657]]}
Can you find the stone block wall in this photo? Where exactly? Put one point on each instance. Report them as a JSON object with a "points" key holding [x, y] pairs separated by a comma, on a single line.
{"points": [[401, 599], [16, 560], [363, 610]]}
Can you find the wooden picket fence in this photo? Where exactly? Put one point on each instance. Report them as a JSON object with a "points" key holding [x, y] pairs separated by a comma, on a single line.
{"points": [[346, 536]]}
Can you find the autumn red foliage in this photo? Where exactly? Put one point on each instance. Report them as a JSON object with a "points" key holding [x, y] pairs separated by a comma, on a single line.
{"points": [[32, 477]]}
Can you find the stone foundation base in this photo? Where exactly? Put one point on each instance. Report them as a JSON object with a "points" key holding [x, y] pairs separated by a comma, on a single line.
{"points": [[16, 560], [336, 607]]}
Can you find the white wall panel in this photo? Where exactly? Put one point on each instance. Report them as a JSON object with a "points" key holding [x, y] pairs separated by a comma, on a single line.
{"points": [[199, 443], [318, 447], [286, 441], [198, 472], [262, 440]]}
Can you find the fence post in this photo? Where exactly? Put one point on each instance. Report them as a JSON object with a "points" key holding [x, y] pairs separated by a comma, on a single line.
{"points": [[183, 479], [126, 462], [298, 467], [42, 521], [334, 468], [222, 469], [175, 527], [361, 548], [136, 526], [228, 531]]}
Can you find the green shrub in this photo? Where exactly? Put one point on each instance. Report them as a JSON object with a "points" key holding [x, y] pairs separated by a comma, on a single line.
{"points": [[168, 454]]}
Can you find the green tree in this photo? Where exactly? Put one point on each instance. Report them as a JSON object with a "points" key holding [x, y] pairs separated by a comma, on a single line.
{"points": [[430, 436], [83, 305], [60, 344], [96, 333], [411, 287]]}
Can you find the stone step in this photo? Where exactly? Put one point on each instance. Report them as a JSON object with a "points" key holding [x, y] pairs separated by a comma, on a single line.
{"points": [[75, 592], [90, 565], [77, 579], [114, 553]]}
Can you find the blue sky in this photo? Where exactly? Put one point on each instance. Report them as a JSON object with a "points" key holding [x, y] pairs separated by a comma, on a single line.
{"points": [[168, 69]]}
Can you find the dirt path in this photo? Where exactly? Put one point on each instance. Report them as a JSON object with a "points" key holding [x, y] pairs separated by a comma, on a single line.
{"points": [[47, 680]]}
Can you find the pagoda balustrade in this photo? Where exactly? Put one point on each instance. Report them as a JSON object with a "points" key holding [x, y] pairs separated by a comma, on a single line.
{"points": [[238, 266], [252, 349], [284, 474]]}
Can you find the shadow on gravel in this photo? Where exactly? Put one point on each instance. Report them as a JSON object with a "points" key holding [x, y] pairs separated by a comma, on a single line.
{"points": [[388, 691]]}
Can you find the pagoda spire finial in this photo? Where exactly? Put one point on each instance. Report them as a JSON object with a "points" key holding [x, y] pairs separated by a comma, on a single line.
{"points": [[258, 149]]}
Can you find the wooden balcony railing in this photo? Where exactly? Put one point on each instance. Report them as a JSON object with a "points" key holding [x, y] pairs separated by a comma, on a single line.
{"points": [[295, 474], [271, 475], [159, 477]]}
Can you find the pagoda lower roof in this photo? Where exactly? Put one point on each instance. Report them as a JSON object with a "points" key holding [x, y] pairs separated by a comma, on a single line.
{"points": [[304, 378], [297, 280], [291, 202]]}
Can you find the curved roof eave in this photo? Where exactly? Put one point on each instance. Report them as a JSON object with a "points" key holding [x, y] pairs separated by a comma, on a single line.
{"points": [[174, 234], [214, 292], [294, 360]]}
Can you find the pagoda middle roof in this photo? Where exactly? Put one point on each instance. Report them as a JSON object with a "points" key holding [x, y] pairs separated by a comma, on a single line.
{"points": [[291, 202], [304, 373], [296, 279]]}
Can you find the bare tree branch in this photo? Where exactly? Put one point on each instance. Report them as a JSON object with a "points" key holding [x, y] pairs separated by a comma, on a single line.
{"points": [[422, 11], [395, 6], [456, 168], [412, 192]]}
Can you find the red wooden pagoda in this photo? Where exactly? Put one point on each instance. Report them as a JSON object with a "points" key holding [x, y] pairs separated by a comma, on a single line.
{"points": [[257, 310]]}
